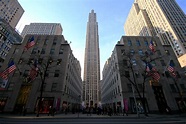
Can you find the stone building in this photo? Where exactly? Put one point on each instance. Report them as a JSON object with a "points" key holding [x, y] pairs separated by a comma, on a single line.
{"points": [[8, 37], [162, 18], [91, 89], [11, 11], [59, 74], [127, 65], [42, 29]]}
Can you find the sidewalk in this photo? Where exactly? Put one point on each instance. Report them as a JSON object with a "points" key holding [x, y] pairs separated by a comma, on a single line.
{"points": [[85, 116]]}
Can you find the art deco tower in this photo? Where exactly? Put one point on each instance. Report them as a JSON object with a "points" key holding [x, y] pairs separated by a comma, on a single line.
{"points": [[91, 86], [162, 18]]}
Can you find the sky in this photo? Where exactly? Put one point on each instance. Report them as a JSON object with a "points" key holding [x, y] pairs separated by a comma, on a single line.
{"points": [[73, 17]]}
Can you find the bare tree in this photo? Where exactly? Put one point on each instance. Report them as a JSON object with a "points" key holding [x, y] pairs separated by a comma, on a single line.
{"points": [[147, 58]]}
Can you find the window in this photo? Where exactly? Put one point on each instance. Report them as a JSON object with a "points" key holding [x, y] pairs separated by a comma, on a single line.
{"points": [[162, 63], [20, 60], [146, 43], [61, 51], [158, 52], [52, 51], [40, 60], [11, 86], [123, 52], [56, 73], [173, 88], [140, 87], [125, 63], [59, 61], [133, 62], [127, 74], [129, 43], [178, 75], [46, 42], [140, 52], [26, 72], [138, 43], [132, 52], [167, 74], [118, 89], [129, 86], [43, 51], [44, 87], [153, 63], [34, 51], [54, 42], [183, 87], [31, 61], [54, 87]]}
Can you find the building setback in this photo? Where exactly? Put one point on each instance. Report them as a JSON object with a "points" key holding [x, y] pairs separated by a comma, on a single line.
{"points": [[91, 89], [164, 19], [62, 86], [11, 11], [116, 89], [42, 29]]}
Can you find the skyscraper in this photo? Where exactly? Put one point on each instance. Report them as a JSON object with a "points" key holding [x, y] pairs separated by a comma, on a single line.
{"points": [[162, 18], [11, 11], [91, 86], [43, 29]]}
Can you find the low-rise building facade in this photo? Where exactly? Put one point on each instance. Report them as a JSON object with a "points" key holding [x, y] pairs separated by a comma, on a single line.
{"points": [[127, 66], [59, 75]]}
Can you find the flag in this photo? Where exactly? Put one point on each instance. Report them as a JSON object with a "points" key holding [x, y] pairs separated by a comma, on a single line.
{"points": [[11, 67], [34, 71], [149, 67], [171, 69], [4, 75], [30, 43], [151, 46], [152, 71]]}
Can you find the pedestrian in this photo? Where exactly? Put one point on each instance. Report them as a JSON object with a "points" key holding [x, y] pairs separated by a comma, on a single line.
{"points": [[53, 111], [24, 111], [50, 110], [125, 112]]}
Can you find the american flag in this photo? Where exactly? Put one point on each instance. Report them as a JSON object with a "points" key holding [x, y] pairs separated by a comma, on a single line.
{"points": [[34, 71], [11, 67], [4, 75], [152, 71], [30, 43], [171, 69], [151, 46]]}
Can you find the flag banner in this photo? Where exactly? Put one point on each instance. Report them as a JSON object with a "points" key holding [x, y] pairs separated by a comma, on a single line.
{"points": [[152, 71], [151, 46], [11, 67], [30, 43], [34, 71], [3, 83], [171, 69], [4, 75]]}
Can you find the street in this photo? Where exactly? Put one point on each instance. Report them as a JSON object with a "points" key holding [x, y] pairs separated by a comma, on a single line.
{"points": [[94, 120]]}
